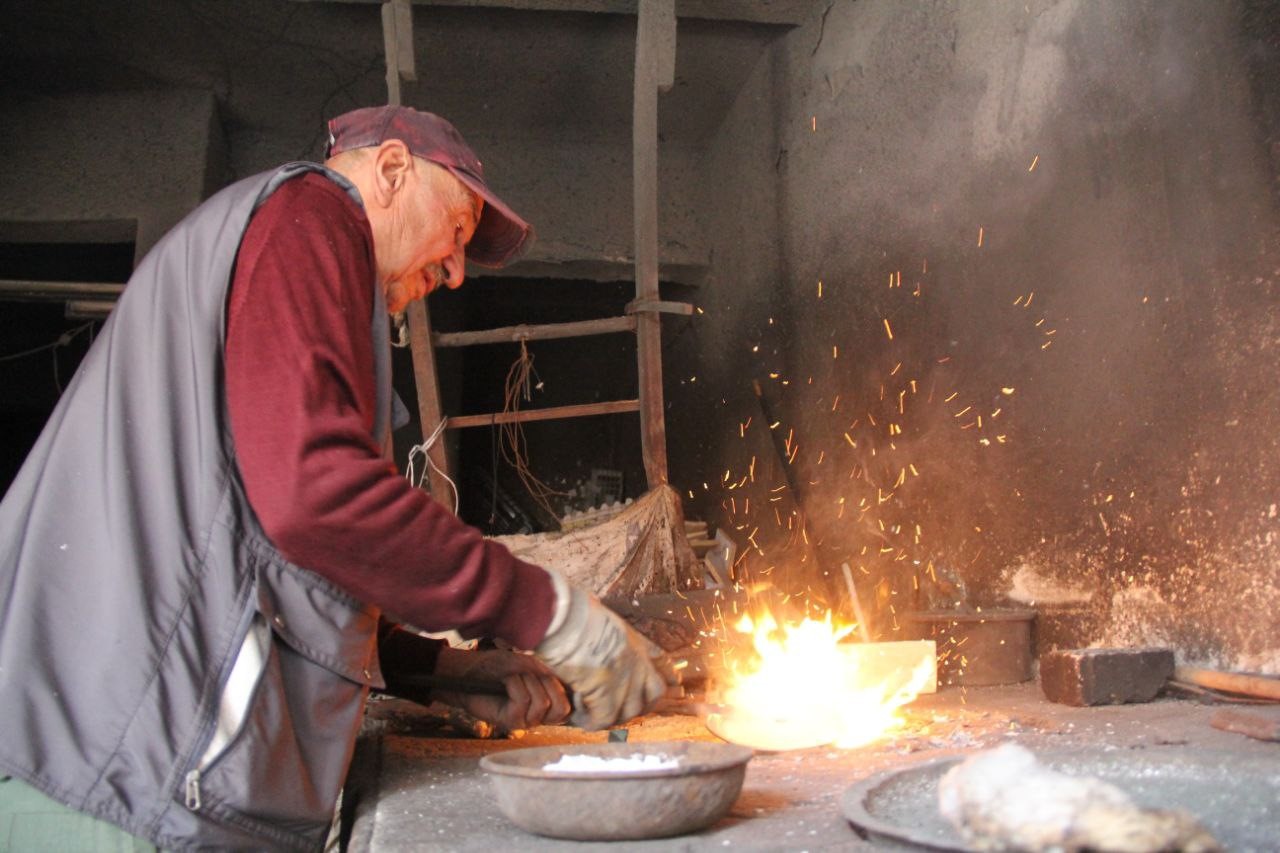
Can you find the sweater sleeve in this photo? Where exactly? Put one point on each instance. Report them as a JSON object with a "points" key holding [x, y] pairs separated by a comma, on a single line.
{"points": [[301, 398]]}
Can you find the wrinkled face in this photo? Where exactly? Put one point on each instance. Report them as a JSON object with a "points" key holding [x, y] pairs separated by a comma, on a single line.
{"points": [[432, 218]]}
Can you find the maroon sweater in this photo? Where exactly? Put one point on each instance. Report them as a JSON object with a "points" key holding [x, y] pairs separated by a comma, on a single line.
{"points": [[300, 391]]}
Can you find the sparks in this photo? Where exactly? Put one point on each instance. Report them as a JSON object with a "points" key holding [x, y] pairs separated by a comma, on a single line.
{"points": [[888, 330], [1034, 160]]}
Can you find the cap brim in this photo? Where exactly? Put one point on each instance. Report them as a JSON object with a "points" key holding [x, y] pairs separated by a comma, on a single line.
{"points": [[501, 236]]}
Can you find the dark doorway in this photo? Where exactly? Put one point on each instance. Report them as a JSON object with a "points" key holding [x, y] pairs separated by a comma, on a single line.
{"points": [[588, 460], [40, 347]]}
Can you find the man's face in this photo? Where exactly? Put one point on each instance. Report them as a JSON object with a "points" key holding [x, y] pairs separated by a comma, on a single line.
{"points": [[433, 219]]}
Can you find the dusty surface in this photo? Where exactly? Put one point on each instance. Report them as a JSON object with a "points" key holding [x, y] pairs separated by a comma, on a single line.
{"points": [[427, 792]]}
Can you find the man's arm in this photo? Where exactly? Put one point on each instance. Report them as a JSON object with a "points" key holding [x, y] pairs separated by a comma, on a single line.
{"points": [[301, 397]]}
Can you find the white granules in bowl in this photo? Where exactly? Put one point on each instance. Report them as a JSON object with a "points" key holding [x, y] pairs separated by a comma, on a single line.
{"points": [[626, 764]]}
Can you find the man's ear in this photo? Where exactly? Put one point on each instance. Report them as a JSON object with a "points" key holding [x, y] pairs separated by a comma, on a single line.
{"points": [[392, 165]]}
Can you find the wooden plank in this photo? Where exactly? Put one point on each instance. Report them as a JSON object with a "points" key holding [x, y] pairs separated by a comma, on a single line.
{"points": [[655, 47], [612, 407], [659, 306], [1257, 686], [21, 290], [429, 410], [88, 309], [778, 12], [403, 12], [391, 51], [549, 331]]}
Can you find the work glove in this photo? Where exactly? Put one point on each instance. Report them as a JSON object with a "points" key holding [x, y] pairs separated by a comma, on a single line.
{"points": [[615, 673]]}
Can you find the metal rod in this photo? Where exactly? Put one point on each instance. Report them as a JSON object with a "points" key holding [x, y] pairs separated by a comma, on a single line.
{"points": [[452, 684], [863, 628]]}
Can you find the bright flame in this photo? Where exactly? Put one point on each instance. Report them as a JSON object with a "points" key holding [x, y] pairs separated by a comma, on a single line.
{"points": [[803, 687]]}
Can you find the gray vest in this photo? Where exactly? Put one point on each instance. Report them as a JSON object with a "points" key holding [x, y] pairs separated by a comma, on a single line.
{"points": [[162, 666]]}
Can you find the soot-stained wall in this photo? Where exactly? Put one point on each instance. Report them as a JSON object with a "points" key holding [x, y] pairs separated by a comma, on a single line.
{"points": [[1031, 325]]}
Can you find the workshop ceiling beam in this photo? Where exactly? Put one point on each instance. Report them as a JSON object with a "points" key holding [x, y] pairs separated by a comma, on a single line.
{"points": [[784, 12]]}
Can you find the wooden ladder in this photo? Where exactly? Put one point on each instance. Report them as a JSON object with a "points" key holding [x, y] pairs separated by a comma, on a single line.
{"points": [[654, 72]]}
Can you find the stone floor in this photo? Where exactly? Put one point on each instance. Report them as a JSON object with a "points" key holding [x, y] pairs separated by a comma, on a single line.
{"points": [[413, 788]]}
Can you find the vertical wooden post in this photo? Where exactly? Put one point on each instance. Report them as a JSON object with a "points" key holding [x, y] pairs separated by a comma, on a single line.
{"points": [[397, 38], [655, 69], [397, 44], [430, 413]]}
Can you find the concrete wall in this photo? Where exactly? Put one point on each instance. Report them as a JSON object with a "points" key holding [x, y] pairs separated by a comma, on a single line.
{"points": [[576, 192], [1040, 364], [724, 459], [148, 156]]}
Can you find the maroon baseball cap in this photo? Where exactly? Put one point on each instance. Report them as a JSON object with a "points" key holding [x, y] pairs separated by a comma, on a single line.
{"points": [[501, 234]]}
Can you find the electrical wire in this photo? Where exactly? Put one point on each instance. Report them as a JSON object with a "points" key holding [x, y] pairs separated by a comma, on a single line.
{"points": [[424, 449], [511, 435], [63, 340]]}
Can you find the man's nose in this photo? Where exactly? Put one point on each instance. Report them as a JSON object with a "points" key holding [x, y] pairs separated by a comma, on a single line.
{"points": [[455, 268]]}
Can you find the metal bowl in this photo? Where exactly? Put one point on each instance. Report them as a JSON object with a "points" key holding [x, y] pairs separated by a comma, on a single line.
{"points": [[615, 805]]}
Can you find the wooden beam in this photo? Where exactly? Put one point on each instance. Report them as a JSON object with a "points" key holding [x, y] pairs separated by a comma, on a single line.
{"points": [[612, 407], [88, 309], [790, 13], [429, 410], [397, 43], [549, 331], [21, 290], [659, 307], [655, 62]]}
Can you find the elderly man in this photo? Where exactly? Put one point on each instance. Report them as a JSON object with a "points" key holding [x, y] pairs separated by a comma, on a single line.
{"points": [[196, 554]]}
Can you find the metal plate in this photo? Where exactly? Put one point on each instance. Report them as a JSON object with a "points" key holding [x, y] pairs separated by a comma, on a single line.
{"points": [[781, 737], [1236, 797]]}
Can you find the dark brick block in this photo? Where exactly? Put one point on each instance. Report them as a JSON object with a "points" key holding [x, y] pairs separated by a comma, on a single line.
{"points": [[1104, 676]]}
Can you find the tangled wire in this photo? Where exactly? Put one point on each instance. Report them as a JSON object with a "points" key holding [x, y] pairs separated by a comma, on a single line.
{"points": [[511, 440]]}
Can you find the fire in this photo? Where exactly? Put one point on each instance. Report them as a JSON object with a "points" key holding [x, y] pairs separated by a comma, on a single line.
{"points": [[802, 687]]}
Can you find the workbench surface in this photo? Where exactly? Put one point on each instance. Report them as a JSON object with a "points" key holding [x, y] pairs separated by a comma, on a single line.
{"points": [[413, 789]]}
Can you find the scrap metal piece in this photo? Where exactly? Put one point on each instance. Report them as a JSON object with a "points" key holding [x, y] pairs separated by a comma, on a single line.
{"points": [[1257, 723]]}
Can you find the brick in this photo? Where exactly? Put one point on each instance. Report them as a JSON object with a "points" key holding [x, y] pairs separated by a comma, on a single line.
{"points": [[1104, 676]]}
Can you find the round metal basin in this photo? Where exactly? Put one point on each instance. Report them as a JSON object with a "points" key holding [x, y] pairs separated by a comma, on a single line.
{"points": [[613, 805]]}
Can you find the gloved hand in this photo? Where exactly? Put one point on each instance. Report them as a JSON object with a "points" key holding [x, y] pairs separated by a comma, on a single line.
{"points": [[614, 672]]}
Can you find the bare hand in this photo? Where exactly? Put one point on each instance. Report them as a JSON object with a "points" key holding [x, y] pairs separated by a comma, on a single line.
{"points": [[535, 697]]}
